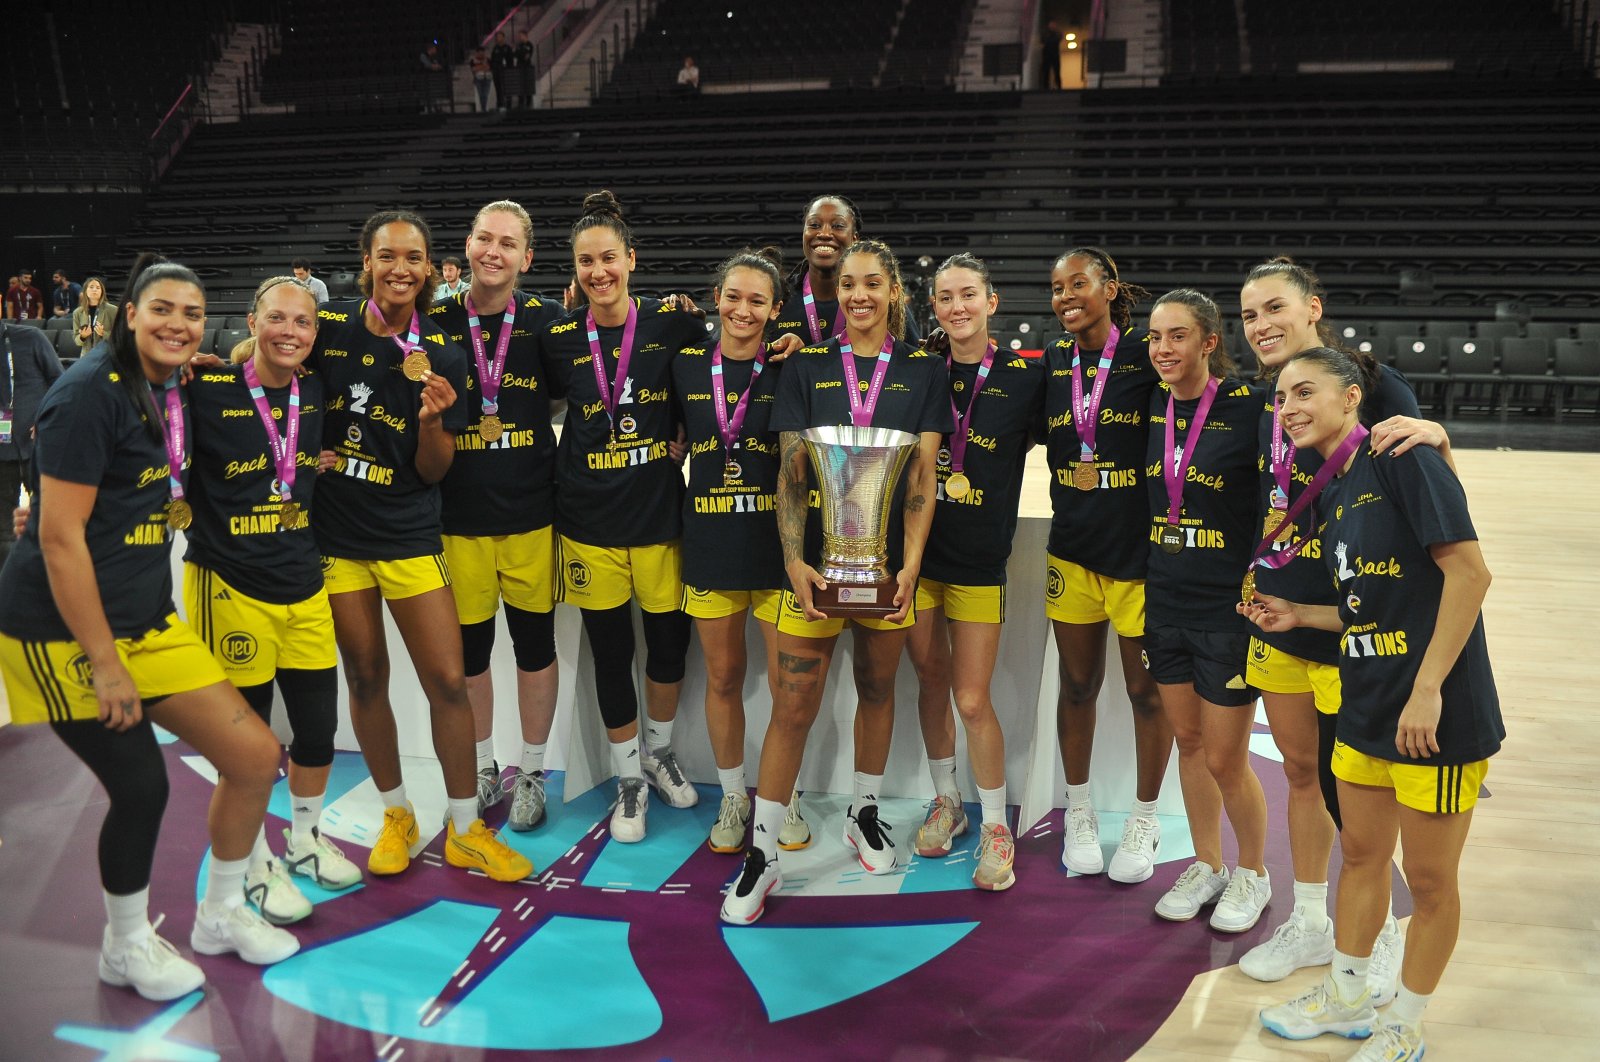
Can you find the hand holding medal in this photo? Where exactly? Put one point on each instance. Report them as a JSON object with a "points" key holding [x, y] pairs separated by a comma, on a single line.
{"points": [[1284, 527]]}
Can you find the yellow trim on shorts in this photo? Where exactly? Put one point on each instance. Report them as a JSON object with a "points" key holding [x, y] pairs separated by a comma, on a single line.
{"points": [[1445, 789]]}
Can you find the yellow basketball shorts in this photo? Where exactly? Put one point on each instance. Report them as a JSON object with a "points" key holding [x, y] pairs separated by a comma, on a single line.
{"points": [[486, 568], [1074, 594], [964, 604], [792, 620], [1275, 671], [251, 638], [715, 604], [602, 577], [1436, 789], [395, 579]]}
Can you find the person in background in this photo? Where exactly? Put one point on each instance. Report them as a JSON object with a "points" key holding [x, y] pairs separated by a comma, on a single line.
{"points": [[482, 77], [430, 59], [31, 367], [29, 302], [688, 77], [11, 297], [91, 320], [523, 60], [453, 283], [64, 296], [302, 273], [501, 59]]}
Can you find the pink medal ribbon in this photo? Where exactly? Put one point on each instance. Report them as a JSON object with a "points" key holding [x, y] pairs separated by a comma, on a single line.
{"points": [[489, 373], [958, 438], [610, 391], [1264, 557], [1086, 415], [285, 446], [861, 410], [172, 432], [811, 312], [1175, 465], [1282, 463], [413, 337], [729, 425]]}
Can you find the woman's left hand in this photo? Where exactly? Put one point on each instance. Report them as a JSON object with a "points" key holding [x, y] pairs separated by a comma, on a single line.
{"points": [[437, 396], [678, 448], [783, 346], [905, 595], [682, 302], [1417, 736], [1399, 434]]}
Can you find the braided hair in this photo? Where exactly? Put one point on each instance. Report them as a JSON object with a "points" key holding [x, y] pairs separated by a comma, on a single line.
{"points": [[1128, 294]]}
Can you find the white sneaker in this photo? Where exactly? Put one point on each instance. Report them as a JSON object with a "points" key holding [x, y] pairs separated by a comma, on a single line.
{"points": [[490, 789], [275, 896], [1291, 947], [152, 967], [747, 896], [322, 861], [1392, 1042], [795, 833], [527, 801], [733, 817], [869, 836], [1321, 1011], [662, 771], [1242, 903], [1080, 849], [627, 814], [1195, 887], [239, 928], [1135, 858], [1383, 976]]}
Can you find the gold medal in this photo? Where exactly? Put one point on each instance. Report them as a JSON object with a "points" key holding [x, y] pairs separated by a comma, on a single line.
{"points": [[1169, 537], [1085, 476], [415, 366], [490, 428], [289, 516], [1247, 592], [957, 486], [179, 515], [1274, 521]]}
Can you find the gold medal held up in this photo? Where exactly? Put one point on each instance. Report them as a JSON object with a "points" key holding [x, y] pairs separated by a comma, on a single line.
{"points": [[289, 516], [490, 428], [958, 486], [179, 515], [1085, 476], [1247, 592], [416, 366]]}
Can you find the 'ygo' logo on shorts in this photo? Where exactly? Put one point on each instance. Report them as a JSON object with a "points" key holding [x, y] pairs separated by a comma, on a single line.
{"points": [[237, 647], [1259, 650], [578, 574], [1053, 584], [792, 603], [80, 672], [327, 565]]}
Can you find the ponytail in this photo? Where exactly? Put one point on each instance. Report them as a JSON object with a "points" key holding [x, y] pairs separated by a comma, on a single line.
{"points": [[897, 302], [147, 269], [1205, 313]]}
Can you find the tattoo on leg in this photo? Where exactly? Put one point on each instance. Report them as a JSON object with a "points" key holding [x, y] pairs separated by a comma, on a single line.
{"points": [[802, 665]]}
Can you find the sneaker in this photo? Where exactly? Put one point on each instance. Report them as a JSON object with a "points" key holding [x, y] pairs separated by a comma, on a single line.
{"points": [[490, 791], [627, 814], [527, 801], [1392, 1042], [747, 896], [869, 837], [1242, 903], [1195, 887], [946, 820], [481, 848], [997, 855], [795, 833], [398, 842], [275, 896], [1383, 976], [322, 861], [727, 833], [662, 771], [238, 928], [1321, 1011], [1080, 849], [152, 967], [1135, 858], [1291, 947]]}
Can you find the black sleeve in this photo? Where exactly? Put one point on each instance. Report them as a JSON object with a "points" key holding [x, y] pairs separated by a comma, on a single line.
{"points": [[1429, 495], [936, 414], [790, 410]]}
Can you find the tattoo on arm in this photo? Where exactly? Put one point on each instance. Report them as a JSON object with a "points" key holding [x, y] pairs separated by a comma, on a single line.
{"points": [[915, 503], [791, 495]]}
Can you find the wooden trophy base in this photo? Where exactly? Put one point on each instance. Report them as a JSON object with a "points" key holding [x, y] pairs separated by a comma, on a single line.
{"points": [[849, 601]]}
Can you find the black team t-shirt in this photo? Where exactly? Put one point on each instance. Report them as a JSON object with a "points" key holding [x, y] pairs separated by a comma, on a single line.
{"points": [[1197, 587], [970, 541], [629, 494], [1380, 518], [237, 532], [372, 505], [505, 487], [89, 432], [1103, 529], [730, 530], [915, 399]]}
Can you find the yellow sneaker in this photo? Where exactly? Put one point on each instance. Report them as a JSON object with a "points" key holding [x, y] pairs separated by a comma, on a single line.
{"points": [[481, 848], [398, 841]]}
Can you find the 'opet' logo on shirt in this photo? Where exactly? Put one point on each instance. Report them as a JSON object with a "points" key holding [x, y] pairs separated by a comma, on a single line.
{"points": [[570, 326]]}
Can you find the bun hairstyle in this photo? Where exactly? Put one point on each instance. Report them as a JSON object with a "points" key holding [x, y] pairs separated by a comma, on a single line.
{"points": [[507, 206], [897, 303], [966, 260], [1309, 285], [369, 232], [1205, 313], [1128, 294], [245, 349], [1341, 364], [602, 208], [147, 269], [767, 259]]}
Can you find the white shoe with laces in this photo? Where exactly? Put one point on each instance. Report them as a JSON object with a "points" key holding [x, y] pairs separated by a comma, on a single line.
{"points": [[239, 928], [1195, 887], [1321, 1011], [747, 896], [1135, 858], [661, 770], [733, 818], [795, 833], [1242, 902], [869, 837], [322, 861], [275, 896], [152, 967], [1388, 951], [1291, 947], [1392, 1042], [627, 814], [1080, 847]]}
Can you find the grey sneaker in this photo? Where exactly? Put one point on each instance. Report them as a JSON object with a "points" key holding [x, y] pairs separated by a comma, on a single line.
{"points": [[527, 801], [627, 814], [727, 833], [490, 791], [661, 770], [795, 833]]}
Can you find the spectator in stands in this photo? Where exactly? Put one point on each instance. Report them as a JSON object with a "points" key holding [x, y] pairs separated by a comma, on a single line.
{"points": [[11, 297], [453, 283], [93, 316], [31, 367], [523, 60], [501, 59], [482, 77], [1050, 55], [30, 300], [430, 59], [302, 273], [64, 296], [688, 77]]}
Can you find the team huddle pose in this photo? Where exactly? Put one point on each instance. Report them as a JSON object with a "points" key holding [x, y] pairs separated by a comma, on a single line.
{"points": [[1300, 537]]}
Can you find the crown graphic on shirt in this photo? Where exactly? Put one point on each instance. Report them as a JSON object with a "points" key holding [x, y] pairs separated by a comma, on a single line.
{"points": [[360, 392]]}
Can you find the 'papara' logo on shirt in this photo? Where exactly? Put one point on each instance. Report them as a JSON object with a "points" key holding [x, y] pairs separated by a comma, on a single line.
{"points": [[226, 413]]}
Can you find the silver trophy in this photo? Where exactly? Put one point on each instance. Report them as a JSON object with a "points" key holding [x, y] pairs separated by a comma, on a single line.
{"points": [[857, 471]]}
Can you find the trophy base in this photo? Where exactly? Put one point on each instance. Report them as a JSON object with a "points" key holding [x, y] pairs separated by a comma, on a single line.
{"points": [[849, 601]]}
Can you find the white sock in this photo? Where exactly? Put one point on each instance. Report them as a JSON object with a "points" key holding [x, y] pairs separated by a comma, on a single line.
{"points": [[1078, 795], [1144, 809], [463, 813], [766, 821], [994, 805], [1408, 1006], [732, 779], [1311, 904], [486, 752], [1349, 975], [225, 883], [867, 786], [657, 736], [305, 815], [260, 855], [943, 773], [532, 758], [394, 798], [129, 917], [625, 759]]}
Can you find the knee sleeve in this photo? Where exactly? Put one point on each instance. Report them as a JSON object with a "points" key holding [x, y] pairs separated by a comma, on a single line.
{"points": [[611, 642], [533, 638], [259, 698], [130, 768], [666, 642], [312, 701], [1327, 726], [477, 643]]}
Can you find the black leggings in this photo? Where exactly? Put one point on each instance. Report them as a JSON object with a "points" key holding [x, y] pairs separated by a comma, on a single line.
{"points": [[666, 640], [1327, 725], [131, 770], [533, 641], [311, 697]]}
